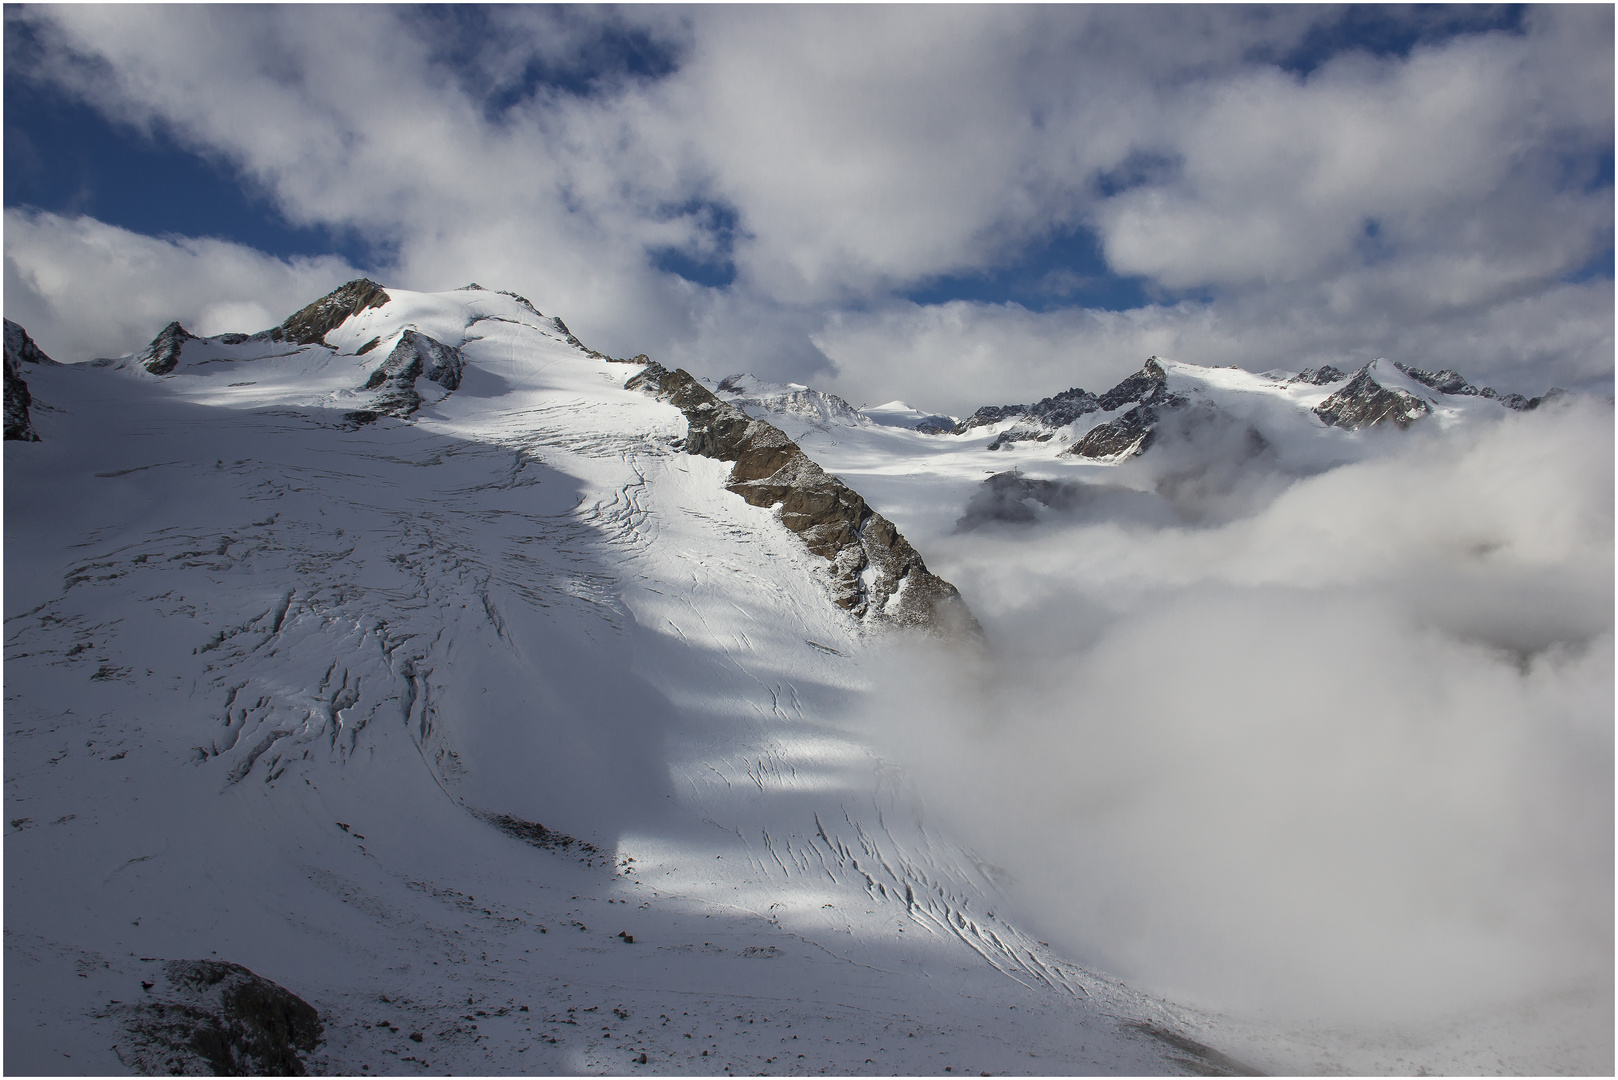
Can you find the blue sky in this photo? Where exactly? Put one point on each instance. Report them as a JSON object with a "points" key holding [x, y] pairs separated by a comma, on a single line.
{"points": [[831, 194]]}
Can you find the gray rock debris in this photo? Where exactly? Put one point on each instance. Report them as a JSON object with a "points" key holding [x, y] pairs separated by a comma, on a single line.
{"points": [[20, 350], [877, 576], [218, 1018]]}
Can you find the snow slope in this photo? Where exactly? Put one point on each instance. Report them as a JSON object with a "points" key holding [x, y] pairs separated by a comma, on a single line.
{"points": [[295, 686]]}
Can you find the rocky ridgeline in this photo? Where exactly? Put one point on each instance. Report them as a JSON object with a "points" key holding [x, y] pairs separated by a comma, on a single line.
{"points": [[215, 1017], [1362, 402], [20, 350], [311, 324], [877, 576]]}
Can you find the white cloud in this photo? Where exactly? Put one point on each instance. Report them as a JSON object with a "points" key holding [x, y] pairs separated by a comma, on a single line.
{"points": [[867, 150], [1349, 755], [84, 289], [957, 356]]}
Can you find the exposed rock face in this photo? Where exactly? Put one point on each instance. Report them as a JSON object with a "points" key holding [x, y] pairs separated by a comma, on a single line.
{"points": [[219, 1018], [1147, 386], [1125, 436], [989, 414], [415, 355], [1062, 409], [20, 350], [164, 351], [1447, 381], [1320, 376], [876, 574], [1131, 433], [311, 325], [1364, 402], [1013, 436], [1005, 497]]}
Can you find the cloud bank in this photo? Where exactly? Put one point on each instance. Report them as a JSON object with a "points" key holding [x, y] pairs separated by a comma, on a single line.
{"points": [[1347, 753]]}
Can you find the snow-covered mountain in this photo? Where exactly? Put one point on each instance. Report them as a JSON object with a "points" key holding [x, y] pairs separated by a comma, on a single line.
{"points": [[410, 688], [403, 664]]}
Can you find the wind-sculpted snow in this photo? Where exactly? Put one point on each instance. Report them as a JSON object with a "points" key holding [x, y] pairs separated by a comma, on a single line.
{"points": [[504, 725]]}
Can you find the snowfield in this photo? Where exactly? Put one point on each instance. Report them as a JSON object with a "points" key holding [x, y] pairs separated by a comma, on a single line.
{"points": [[425, 719], [504, 735]]}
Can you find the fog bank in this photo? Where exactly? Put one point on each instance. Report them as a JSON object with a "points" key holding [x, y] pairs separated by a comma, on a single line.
{"points": [[1345, 753]]}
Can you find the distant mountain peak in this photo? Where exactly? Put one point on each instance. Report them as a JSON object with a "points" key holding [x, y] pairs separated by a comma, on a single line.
{"points": [[1365, 402], [311, 324]]}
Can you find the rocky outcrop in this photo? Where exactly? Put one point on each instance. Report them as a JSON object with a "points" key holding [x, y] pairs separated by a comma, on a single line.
{"points": [[220, 1018], [1131, 433], [990, 414], [415, 356], [1147, 386], [1453, 383], [20, 350], [876, 575], [1364, 402], [1125, 436], [163, 353], [1320, 376], [1447, 381], [1012, 436], [1004, 498], [310, 325]]}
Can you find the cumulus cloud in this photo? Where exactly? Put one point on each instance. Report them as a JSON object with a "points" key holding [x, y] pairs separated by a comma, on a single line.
{"points": [[1348, 754], [819, 162], [84, 289]]}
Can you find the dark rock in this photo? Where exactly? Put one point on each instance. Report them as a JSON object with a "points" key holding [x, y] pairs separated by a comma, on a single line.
{"points": [[1320, 376], [1006, 497], [1550, 395], [1128, 435], [521, 300], [234, 339], [1147, 386], [310, 325], [368, 346], [20, 350], [1445, 382], [989, 414], [415, 355], [1364, 402], [834, 522], [537, 835], [1062, 409], [1013, 436], [163, 353], [220, 1018]]}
